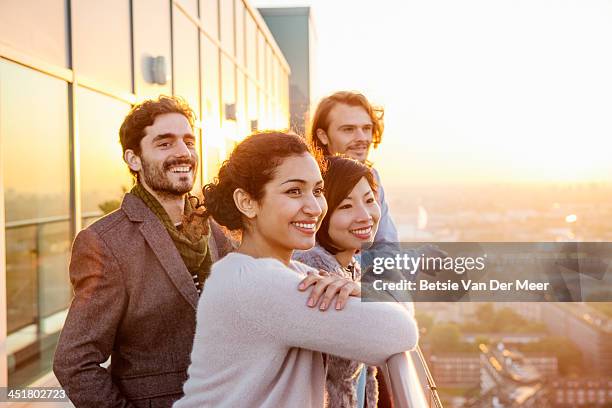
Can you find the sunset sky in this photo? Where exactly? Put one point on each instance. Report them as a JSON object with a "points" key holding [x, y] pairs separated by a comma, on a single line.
{"points": [[476, 90]]}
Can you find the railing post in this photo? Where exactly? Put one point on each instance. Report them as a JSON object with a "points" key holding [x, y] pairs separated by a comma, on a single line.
{"points": [[406, 388], [38, 319], [431, 384]]}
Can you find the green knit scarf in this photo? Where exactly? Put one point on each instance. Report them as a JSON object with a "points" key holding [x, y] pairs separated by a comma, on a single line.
{"points": [[193, 249]]}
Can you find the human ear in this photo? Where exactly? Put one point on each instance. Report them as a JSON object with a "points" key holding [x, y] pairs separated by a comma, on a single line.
{"points": [[322, 135], [245, 203], [133, 160]]}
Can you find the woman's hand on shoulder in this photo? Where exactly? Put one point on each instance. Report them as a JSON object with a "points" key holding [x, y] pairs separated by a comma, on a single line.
{"points": [[326, 287]]}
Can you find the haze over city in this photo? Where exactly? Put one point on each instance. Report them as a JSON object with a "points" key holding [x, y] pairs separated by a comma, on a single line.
{"points": [[475, 91]]}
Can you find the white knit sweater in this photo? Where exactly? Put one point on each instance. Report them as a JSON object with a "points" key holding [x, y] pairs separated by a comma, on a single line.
{"points": [[257, 344]]}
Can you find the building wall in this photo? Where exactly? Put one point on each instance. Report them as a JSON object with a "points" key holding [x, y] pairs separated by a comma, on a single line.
{"points": [[294, 33], [69, 72], [456, 370], [593, 341], [581, 392]]}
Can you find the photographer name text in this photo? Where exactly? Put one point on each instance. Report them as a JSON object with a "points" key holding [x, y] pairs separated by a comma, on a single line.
{"points": [[467, 285]]}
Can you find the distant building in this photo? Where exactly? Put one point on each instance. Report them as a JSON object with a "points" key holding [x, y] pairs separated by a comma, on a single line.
{"points": [[581, 392], [294, 31], [448, 312], [456, 369], [506, 338], [590, 330], [508, 380], [531, 311], [547, 365]]}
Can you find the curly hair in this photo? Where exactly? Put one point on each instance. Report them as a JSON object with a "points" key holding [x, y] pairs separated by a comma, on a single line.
{"points": [[320, 118], [143, 114], [250, 166]]}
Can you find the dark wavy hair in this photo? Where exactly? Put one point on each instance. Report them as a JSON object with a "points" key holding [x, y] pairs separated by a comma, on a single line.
{"points": [[132, 129], [341, 175], [250, 166], [320, 119]]}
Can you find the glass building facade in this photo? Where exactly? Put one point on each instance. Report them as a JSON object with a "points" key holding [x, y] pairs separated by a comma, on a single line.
{"points": [[69, 72]]}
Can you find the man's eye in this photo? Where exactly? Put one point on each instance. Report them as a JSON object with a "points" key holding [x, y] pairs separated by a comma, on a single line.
{"points": [[318, 192], [165, 144]]}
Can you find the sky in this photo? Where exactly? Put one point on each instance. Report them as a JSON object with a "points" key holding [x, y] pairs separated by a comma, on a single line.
{"points": [[475, 90]]}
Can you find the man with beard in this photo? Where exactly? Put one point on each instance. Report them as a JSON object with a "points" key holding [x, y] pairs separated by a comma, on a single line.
{"points": [[346, 123], [137, 272]]}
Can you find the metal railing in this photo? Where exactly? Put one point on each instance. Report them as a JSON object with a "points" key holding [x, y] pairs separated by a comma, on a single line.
{"points": [[407, 388]]}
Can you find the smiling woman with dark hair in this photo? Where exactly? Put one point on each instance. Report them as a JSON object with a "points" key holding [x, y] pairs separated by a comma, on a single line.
{"points": [[351, 222], [257, 344]]}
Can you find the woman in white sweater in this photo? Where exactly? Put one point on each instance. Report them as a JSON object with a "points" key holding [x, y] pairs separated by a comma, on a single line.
{"points": [[257, 343], [350, 223]]}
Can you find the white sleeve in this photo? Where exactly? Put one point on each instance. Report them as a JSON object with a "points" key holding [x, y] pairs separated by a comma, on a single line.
{"points": [[269, 300]]}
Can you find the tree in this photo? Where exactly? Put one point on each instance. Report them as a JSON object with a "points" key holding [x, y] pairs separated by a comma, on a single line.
{"points": [[569, 357], [445, 338], [485, 316]]}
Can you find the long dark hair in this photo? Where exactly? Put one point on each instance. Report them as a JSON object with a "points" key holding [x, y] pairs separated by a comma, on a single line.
{"points": [[341, 175]]}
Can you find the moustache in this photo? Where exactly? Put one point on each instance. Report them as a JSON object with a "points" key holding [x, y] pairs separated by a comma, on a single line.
{"points": [[359, 145], [180, 162]]}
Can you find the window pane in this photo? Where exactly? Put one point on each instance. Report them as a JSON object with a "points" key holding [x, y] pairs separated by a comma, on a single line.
{"points": [[251, 45], [209, 15], [269, 70], [210, 81], [261, 58], [228, 88], [151, 39], [186, 64], [240, 31], [104, 175], [264, 123], [34, 132], [191, 6], [93, 57], [36, 27], [211, 99], [212, 162], [241, 107], [227, 25], [229, 81], [252, 101]]}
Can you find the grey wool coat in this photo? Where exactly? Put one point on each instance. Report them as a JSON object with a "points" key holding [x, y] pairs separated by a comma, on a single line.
{"points": [[134, 301]]}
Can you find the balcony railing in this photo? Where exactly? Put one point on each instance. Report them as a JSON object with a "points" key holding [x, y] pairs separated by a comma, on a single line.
{"points": [[410, 381]]}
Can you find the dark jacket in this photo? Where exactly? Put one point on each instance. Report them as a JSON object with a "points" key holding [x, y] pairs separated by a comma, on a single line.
{"points": [[134, 301]]}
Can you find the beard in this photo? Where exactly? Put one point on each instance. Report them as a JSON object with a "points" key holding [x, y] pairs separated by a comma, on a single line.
{"points": [[361, 156], [155, 176]]}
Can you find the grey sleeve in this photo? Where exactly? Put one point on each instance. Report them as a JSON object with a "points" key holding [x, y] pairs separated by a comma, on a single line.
{"points": [[367, 332]]}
